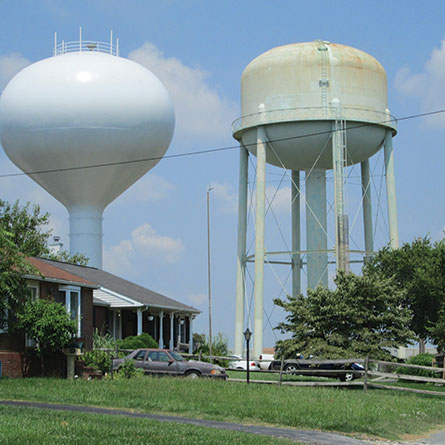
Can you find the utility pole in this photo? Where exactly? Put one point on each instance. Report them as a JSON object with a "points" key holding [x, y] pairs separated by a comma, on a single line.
{"points": [[208, 269]]}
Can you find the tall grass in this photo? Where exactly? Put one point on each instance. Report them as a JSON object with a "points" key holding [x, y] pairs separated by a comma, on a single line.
{"points": [[376, 412]]}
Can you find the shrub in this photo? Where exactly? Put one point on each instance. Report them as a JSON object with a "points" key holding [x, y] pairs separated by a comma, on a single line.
{"points": [[98, 360], [105, 341], [137, 341], [219, 347], [421, 360], [127, 370]]}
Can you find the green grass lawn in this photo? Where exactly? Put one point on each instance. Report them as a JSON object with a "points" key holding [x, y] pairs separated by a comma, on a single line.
{"points": [[377, 413], [34, 426]]}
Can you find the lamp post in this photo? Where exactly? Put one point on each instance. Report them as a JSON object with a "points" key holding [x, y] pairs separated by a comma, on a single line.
{"points": [[208, 269], [247, 336]]}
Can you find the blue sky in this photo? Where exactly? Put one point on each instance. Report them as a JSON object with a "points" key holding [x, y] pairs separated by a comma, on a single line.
{"points": [[155, 233]]}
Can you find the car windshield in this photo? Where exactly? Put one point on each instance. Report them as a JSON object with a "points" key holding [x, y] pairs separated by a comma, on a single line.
{"points": [[176, 356]]}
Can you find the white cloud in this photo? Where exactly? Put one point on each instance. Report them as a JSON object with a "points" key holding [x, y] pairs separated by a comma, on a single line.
{"points": [[146, 245], [201, 111], [10, 65], [227, 198], [427, 86], [279, 199], [149, 188], [198, 299]]}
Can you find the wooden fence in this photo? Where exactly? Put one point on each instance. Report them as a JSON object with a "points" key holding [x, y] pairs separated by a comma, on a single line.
{"points": [[375, 375]]}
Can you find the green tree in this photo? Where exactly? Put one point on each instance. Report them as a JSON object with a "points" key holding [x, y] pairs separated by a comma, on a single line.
{"points": [[363, 315], [23, 233], [49, 325], [13, 268], [219, 347], [419, 268]]}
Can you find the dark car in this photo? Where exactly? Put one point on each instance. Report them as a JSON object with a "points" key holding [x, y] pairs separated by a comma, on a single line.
{"points": [[168, 362], [347, 371]]}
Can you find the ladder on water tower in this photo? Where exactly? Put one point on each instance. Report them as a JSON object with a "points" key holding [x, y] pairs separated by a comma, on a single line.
{"points": [[340, 161]]}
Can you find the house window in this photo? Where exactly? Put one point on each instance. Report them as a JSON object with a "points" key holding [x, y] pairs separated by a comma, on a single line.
{"points": [[70, 295], [3, 321]]}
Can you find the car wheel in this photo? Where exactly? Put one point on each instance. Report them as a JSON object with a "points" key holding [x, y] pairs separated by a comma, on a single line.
{"points": [[240, 368], [192, 375], [290, 369], [347, 377]]}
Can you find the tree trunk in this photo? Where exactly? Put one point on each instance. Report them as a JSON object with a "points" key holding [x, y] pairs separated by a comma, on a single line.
{"points": [[421, 346]]}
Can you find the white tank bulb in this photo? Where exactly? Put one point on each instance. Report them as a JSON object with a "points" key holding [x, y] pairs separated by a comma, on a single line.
{"points": [[83, 109]]}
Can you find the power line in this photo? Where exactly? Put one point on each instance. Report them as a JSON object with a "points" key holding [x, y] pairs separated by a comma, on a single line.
{"points": [[211, 150]]}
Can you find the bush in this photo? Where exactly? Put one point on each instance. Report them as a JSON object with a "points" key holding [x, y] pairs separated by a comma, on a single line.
{"points": [[127, 370], [219, 347], [98, 360], [421, 360], [105, 341], [137, 341]]}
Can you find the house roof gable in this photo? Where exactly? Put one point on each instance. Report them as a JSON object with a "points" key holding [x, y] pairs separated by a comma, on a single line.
{"points": [[123, 287], [51, 272]]}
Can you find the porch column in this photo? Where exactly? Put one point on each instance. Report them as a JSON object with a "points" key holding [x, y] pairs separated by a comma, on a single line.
{"points": [[161, 329], [170, 341], [191, 334], [139, 314]]}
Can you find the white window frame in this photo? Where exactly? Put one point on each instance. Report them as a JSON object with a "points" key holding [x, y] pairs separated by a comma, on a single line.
{"points": [[68, 290]]}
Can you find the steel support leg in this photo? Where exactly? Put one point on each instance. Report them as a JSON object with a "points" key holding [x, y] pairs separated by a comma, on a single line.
{"points": [[296, 245], [391, 191], [367, 210], [240, 263], [259, 242]]}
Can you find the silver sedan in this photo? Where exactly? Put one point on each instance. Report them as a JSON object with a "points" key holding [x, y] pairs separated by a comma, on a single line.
{"points": [[168, 362]]}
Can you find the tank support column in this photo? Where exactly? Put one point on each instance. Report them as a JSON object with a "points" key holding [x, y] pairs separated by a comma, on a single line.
{"points": [[259, 242], [316, 228], [367, 210], [86, 234], [391, 191], [295, 206], [241, 263]]}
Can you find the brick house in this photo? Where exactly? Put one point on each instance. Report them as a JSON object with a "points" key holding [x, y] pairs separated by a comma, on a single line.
{"points": [[98, 300], [52, 283], [123, 308]]}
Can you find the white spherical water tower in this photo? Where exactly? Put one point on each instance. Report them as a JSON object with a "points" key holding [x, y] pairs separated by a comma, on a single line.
{"points": [[62, 117], [310, 107]]}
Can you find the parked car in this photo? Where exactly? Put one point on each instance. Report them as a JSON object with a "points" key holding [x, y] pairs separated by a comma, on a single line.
{"points": [[240, 363], [265, 361], [169, 362], [348, 371]]}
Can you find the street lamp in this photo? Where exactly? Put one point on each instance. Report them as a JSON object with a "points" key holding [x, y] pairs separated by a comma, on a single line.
{"points": [[208, 268], [247, 336]]}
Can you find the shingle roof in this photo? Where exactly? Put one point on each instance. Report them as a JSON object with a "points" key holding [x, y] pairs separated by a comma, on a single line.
{"points": [[123, 287], [54, 273]]}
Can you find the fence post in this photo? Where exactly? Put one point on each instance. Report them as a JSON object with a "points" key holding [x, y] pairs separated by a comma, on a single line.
{"points": [[365, 384], [281, 369]]}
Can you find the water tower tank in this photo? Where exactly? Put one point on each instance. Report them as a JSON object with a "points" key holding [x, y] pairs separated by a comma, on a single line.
{"points": [[85, 107], [291, 90], [310, 107]]}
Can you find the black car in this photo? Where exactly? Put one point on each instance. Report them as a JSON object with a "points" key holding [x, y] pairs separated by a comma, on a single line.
{"points": [[346, 371], [169, 362]]}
